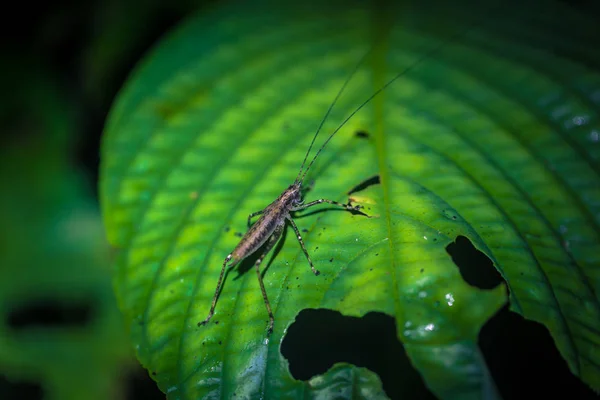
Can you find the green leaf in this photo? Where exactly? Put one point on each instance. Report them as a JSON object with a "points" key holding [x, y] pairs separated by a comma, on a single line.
{"points": [[54, 256], [495, 139]]}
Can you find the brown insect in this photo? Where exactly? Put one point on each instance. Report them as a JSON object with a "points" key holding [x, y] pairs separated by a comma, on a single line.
{"points": [[269, 227]]}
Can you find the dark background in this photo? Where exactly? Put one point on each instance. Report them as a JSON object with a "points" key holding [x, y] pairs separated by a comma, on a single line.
{"points": [[87, 50]]}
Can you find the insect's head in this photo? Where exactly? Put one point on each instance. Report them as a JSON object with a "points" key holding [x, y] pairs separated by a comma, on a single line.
{"points": [[295, 191]]}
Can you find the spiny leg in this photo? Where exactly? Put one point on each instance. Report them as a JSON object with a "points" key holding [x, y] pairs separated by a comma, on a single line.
{"points": [[348, 207], [270, 243], [299, 237], [216, 296], [254, 214]]}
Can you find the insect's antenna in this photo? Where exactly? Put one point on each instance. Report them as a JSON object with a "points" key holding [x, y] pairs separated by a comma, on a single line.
{"points": [[424, 57], [337, 96]]}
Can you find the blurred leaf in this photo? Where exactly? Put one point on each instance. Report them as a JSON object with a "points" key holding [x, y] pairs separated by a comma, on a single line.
{"points": [[496, 139], [120, 31], [60, 325]]}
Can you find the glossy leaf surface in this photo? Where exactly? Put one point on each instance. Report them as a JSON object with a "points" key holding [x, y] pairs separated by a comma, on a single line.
{"points": [[495, 139]]}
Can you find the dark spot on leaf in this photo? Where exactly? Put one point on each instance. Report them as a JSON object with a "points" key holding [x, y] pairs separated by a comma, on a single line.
{"points": [[376, 254], [220, 342], [19, 389], [514, 348], [50, 313], [370, 269], [154, 373], [374, 180], [239, 234], [304, 230], [216, 322], [331, 260], [318, 339], [296, 278], [475, 267], [454, 217], [362, 134], [317, 248], [227, 229], [422, 270]]}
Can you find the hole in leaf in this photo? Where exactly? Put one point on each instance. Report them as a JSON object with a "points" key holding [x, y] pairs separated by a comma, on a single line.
{"points": [[475, 267], [320, 338], [374, 180], [362, 134], [49, 313], [20, 389], [524, 361], [140, 385]]}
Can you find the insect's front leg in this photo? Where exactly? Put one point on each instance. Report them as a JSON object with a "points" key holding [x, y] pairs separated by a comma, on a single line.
{"points": [[254, 214], [348, 207]]}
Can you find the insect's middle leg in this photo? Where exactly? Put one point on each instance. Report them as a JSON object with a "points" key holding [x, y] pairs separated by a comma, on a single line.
{"points": [[270, 243], [299, 237]]}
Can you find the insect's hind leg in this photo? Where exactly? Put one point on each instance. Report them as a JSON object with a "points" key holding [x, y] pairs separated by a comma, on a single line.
{"points": [[254, 214], [299, 237], [216, 296], [270, 243]]}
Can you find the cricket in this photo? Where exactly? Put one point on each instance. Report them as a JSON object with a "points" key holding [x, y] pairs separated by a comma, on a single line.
{"points": [[269, 228]]}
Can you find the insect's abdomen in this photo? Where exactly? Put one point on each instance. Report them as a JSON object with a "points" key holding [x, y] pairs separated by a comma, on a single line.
{"points": [[258, 234]]}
